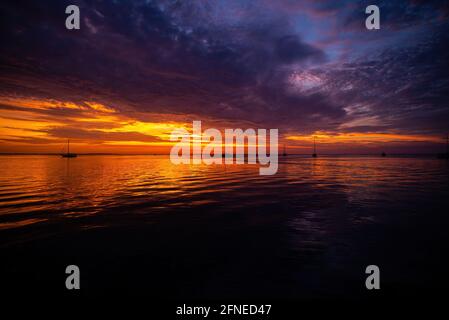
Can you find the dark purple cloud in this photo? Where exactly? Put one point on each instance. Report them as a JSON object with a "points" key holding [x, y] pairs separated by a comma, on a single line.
{"points": [[236, 61]]}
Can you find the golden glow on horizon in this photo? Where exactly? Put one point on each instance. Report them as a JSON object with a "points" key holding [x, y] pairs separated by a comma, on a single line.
{"points": [[363, 138], [160, 130], [98, 122], [33, 125]]}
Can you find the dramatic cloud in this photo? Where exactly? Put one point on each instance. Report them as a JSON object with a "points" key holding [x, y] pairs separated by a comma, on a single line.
{"points": [[301, 66]]}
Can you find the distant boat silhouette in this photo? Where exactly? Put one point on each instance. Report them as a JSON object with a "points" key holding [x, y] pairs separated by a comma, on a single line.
{"points": [[383, 154], [314, 148], [445, 155], [284, 153], [68, 154]]}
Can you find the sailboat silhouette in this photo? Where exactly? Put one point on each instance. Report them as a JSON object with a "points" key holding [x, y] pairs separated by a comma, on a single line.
{"points": [[445, 155], [284, 153], [68, 154], [314, 148]]}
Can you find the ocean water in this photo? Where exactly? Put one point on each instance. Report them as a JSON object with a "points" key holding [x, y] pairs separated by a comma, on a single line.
{"points": [[141, 225]]}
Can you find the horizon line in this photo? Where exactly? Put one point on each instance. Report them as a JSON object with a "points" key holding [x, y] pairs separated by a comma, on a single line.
{"points": [[162, 154]]}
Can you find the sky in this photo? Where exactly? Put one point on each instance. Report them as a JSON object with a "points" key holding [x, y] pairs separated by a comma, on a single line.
{"points": [[137, 70]]}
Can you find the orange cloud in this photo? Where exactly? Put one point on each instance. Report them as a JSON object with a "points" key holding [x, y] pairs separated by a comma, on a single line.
{"points": [[26, 122], [365, 138], [33, 125]]}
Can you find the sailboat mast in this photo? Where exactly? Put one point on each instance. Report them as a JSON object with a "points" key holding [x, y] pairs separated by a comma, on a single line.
{"points": [[68, 146], [314, 145]]}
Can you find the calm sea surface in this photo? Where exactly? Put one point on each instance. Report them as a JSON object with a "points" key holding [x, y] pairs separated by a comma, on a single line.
{"points": [[225, 231]]}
